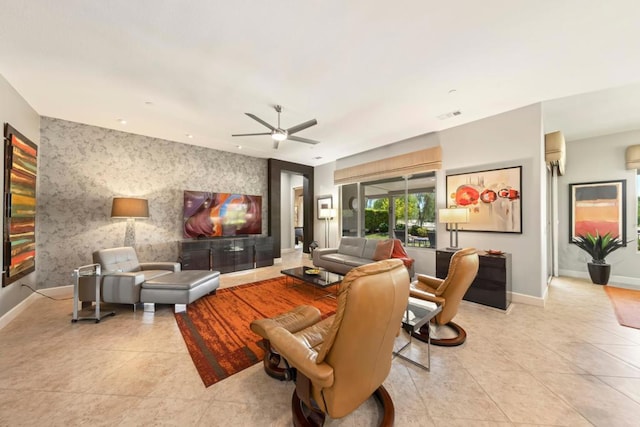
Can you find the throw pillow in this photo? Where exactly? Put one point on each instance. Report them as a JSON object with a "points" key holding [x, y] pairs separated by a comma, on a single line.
{"points": [[383, 250]]}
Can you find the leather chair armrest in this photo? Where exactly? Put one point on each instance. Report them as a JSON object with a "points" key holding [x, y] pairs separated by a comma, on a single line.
{"points": [[122, 288], [301, 357], [417, 293], [428, 283], [171, 266]]}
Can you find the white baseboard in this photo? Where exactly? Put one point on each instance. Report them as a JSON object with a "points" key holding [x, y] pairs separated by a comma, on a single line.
{"points": [[528, 299], [614, 280], [15, 311], [57, 292]]}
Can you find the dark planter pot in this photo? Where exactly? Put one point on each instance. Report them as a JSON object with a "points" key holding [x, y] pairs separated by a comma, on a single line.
{"points": [[599, 273]]}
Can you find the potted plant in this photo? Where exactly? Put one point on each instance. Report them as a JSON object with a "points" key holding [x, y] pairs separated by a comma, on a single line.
{"points": [[598, 247]]}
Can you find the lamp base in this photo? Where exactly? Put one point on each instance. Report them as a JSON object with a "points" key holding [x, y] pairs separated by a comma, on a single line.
{"points": [[130, 233], [452, 248]]}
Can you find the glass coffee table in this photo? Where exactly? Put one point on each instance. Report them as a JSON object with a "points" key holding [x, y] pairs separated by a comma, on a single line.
{"points": [[418, 314], [317, 278]]}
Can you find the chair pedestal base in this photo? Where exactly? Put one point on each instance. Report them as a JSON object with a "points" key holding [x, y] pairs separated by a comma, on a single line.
{"points": [[461, 336], [303, 416], [272, 362]]}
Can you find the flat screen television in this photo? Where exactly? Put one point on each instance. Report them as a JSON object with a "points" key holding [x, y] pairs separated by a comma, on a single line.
{"points": [[209, 214]]}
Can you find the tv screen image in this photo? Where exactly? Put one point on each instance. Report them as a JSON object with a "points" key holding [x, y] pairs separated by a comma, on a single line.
{"points": [[208, 214]]}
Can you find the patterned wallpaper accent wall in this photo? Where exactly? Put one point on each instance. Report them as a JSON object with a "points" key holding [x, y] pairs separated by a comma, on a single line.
{"points": [[82, 167]]}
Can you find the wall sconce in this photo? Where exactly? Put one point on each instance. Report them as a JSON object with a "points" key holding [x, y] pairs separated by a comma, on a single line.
{"points": [[632, 157], [452, 217], [327, 215], [129, 208]]}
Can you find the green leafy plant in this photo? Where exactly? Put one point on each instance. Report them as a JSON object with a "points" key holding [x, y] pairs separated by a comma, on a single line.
{"points": [[598, 247]]}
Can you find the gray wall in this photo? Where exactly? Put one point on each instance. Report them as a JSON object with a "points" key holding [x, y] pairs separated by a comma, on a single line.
{"points": [[19, 114], [599, 159], [83, 167]]}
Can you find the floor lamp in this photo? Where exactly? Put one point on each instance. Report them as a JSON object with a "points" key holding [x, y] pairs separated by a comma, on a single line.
{"points": [[327, 215], [452, 217], [129, 208]]}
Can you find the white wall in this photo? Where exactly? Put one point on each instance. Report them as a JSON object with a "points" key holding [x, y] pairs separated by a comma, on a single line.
{"points": [[509, 139], [288, 182], [19, 114], [599, 159], [514, 138], [323, 186]]}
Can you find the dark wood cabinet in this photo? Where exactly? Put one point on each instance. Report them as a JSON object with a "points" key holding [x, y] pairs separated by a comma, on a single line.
{"points": [[492, 285], [226, 254], [264, 252]]}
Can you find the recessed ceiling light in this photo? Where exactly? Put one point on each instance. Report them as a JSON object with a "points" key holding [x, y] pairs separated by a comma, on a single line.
{"points": [[122, 121], [317, 158], [452, 91], [148, 102], [239, 147], [188, 135]]}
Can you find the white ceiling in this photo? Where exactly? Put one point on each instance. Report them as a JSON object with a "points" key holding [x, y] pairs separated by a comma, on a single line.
{"points": [[371, 72]]}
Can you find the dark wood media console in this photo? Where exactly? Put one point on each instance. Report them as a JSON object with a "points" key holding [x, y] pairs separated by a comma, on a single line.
{"points": [[492, 285], [226, 254]]}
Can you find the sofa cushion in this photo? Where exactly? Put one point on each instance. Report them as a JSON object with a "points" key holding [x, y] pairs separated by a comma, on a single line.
{"points": [[354, 261], [370, 246], [353, 246], [383, 250], [334, 257]]}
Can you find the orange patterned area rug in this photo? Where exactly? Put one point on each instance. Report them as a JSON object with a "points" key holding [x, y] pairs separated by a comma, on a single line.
{"points": [[216, 327], [626, 304]]}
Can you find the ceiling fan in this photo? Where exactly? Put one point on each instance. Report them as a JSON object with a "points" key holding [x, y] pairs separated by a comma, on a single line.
{"points": [[278, 134]]}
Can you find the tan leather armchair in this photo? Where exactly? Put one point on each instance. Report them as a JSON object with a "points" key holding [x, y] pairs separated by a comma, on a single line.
{"points": [[448, 293], [341, 361]]}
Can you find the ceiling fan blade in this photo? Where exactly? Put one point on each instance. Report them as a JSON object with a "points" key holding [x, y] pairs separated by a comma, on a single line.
{"points": [[251, 134], [302, 126], [305, 140], [275, 144], [259, 120]]}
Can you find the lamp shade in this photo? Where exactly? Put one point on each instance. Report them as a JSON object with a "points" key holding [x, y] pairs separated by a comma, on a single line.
{"points": [[453, 216], [129, 207]]}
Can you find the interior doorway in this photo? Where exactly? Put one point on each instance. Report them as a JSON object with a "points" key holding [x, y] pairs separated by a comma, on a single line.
{"points": [[298, 216], [276, 210]]}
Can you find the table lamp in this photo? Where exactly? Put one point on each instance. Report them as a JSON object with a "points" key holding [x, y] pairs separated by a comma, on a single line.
{"points": [[452, 217], [129, 208]]}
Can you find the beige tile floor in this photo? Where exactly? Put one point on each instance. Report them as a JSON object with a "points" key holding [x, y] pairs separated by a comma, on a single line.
{"points": [[568, 364]]}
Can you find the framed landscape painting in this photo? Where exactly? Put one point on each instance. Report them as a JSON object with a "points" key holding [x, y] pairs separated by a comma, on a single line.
{"points": [[598, 207], [493, 198]]}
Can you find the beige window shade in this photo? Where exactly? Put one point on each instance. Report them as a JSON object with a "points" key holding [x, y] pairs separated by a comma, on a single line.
{"points": [[632, 157], [421, 161]]}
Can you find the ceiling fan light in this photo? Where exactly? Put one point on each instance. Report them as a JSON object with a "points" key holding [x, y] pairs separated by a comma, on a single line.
{"points": [[279, 135]]}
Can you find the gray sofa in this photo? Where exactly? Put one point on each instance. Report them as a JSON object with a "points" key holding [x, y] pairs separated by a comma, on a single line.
{"points": [[352, 252]]}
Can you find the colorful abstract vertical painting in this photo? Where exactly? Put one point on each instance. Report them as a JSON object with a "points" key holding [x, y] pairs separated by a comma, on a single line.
{"points": [[598, 207], [20, 173]]}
